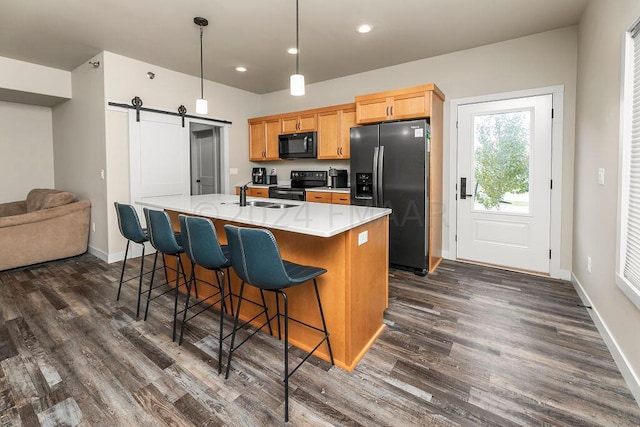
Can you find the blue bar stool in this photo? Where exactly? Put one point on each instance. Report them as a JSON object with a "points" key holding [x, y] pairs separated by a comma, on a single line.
{"points": [[130, 228], [201, 245], [256, 259], [168, 243]]}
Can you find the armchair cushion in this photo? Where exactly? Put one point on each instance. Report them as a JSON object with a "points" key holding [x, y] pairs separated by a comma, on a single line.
{"points": [[43, 198]]}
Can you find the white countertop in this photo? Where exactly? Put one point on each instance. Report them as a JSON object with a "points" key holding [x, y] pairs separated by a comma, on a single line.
{"points": [[319, 189], [329, 190], [316, 219]]}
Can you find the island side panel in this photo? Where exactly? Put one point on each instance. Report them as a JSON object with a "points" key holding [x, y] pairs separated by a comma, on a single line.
{"points": [[328, 253], [368, 293], [354, 291]]}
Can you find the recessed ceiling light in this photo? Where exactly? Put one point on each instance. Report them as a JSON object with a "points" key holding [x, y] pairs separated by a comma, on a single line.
{"points": [[292, 50], [364, 28], [241, 69]]}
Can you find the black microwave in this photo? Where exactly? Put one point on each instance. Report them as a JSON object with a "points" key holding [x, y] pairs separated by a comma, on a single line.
{"points": [[302, 145]]}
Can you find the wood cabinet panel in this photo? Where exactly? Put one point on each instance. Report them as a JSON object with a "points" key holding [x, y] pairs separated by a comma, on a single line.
{"points": [[263, 140], [333, 133], [318, 196], [406, 103], [256, 141], [347, 121], [372, 110], [258, 192], [411, 105], [305, 122], [341, 198], [328, 135]]}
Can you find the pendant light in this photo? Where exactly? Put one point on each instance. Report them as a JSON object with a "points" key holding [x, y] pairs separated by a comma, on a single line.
{"points": [[201, 103], [296, 81]]}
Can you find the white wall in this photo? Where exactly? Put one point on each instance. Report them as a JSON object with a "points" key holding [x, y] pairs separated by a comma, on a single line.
{"points": [[33, 78], [540, 60], [126, 78], [600, 52], [26, 144], [79, 146]]}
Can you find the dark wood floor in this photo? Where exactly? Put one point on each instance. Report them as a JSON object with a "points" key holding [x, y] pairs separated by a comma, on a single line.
{"points": [[466, 346]]}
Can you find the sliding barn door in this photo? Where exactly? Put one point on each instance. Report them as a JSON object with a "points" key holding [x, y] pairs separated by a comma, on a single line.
{"points": [[159, 158]]}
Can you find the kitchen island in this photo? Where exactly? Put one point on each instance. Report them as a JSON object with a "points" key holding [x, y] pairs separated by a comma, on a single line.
{"points": [[351, 242]]}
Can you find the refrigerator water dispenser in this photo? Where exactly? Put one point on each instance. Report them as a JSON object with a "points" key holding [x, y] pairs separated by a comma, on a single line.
{"points": [[364, 185]]}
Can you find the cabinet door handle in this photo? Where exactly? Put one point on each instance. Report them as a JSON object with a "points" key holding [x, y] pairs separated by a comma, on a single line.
{"points": [[387, 110], [391, 111]]}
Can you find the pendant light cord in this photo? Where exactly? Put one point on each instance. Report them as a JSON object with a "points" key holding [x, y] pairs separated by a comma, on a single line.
{"points": [[297, 42], [201, 67]]}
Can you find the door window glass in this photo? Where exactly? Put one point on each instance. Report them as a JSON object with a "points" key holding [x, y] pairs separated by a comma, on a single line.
{"points": [[501, 162]]}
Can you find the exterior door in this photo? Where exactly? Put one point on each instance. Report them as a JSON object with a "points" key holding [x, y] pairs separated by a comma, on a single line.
{"points": [[504, 183], [159, 157]]}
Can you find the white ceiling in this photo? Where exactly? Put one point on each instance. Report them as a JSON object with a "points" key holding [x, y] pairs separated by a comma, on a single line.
{"points": [[256, 33]]}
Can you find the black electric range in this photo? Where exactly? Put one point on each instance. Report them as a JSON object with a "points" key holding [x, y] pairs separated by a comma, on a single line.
{"points": [[299, 181]]}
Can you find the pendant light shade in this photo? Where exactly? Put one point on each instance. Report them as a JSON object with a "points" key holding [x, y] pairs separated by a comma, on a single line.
{"points": [[201, 103], [201, 106], [296, 81]]}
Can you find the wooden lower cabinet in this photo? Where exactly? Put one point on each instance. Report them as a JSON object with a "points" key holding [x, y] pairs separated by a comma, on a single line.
{"points": [[318, 196], [258, 192], [341, 198], [329, 197], [255, 192]]}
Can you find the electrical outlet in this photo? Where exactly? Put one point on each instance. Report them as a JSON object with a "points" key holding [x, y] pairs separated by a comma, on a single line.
{"points": [[233, 171], [601, 176], [589, 264], [93, 227], [102, 173], [363, 238]]}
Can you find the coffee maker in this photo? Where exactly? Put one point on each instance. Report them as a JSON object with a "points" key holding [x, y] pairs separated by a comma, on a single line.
{"points": [[259, 176], [338, 178]]}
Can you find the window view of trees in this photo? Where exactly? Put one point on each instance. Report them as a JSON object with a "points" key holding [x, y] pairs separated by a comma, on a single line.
{"points": [[501, 158]]}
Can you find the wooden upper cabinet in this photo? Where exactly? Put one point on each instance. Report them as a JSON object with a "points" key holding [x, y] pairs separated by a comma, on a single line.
{"points": [[299, 123], [263, 139], [333, 132], [407, 103], [347, 121]]}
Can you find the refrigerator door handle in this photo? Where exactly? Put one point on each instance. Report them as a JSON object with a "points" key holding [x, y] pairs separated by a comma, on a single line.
{"points": [[381, 176], [375, 176]]}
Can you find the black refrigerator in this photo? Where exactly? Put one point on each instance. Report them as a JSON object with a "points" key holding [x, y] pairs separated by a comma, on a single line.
{"points": [[390, 168]]}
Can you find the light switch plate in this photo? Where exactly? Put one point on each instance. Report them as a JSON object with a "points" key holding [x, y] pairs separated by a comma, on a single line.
{"points": [[363, 238], [601, 176], [233, 171]]}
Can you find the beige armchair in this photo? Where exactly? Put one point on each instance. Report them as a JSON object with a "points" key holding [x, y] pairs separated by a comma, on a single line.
{"points": [[48, 225]]}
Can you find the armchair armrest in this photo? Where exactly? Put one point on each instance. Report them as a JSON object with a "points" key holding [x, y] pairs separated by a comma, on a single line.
{"points": [[13, 208], [43, 214]]}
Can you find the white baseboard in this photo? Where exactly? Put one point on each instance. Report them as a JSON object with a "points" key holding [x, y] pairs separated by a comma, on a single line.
{"points": [[618, 356], [98, 253], [135, 251]]}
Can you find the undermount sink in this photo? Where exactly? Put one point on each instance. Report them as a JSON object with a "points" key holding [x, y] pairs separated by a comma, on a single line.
{"points": [[259, 204], [270, 205], [280, 206]]}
